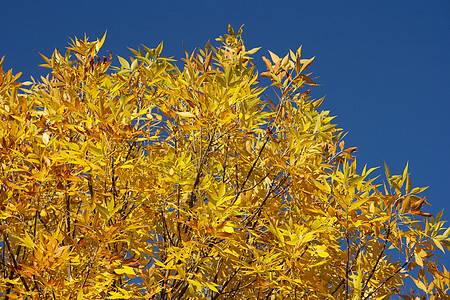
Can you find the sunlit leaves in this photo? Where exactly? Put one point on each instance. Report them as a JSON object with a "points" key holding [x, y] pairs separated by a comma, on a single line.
{"points": [[186, 180]]}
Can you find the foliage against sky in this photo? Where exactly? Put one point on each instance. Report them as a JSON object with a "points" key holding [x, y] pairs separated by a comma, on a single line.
{"points": [[154, 182]]}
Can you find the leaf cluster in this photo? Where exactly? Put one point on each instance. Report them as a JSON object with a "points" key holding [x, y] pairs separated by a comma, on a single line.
{"points": [[152, 181]]}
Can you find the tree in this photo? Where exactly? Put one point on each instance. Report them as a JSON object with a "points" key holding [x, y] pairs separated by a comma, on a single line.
{"points": [[146, 181]]}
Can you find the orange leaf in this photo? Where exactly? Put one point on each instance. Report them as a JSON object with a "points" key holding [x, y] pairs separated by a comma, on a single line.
{"points": [[267, 62]]}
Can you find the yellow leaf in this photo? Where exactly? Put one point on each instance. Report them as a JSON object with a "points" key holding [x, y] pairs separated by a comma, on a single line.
{"points": [[323, 254], [438, 244], [228, 229], [358, 281], [100, 43], [357, 204], [124, 294], [123, 62], [307, 64], [380, 219], [274, 57], [418, 190], [125, 270], [27, 241], [46, 138], [80, 295], [418, 259], [254, 50], [420, 285], [127, 166], [14, 186], [185, 114]]}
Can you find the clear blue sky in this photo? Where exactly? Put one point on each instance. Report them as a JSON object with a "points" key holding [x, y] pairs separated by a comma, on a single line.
{"points": [[383, 65]]}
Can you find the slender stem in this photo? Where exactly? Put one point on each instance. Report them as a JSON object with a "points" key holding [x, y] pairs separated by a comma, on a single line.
{"points": [[389, 277], [69, 273], [200, 167], [225, 284], [372, 272], [15, 264]]}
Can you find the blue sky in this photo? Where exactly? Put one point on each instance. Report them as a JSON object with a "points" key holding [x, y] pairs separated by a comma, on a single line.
{"points": [[383, 65]]}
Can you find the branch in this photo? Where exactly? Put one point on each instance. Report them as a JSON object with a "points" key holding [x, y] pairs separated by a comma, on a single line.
{"points": [[337, 288], [225, 284], [259, 209], [69, 276], [241, 189], [390, 277], [15, 264], [388, 231], [347, 266], [199, 171], [256, 184], [241, 288], [166, 229], [269, 294], [268, 134]]}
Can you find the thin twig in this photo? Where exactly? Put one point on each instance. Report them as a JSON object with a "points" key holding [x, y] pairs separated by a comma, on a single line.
{"points": [[388, 231], [390, 277], [199, 171]]}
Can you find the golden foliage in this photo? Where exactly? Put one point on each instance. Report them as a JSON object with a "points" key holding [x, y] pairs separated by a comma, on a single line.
{"points": [[145, 181]]}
